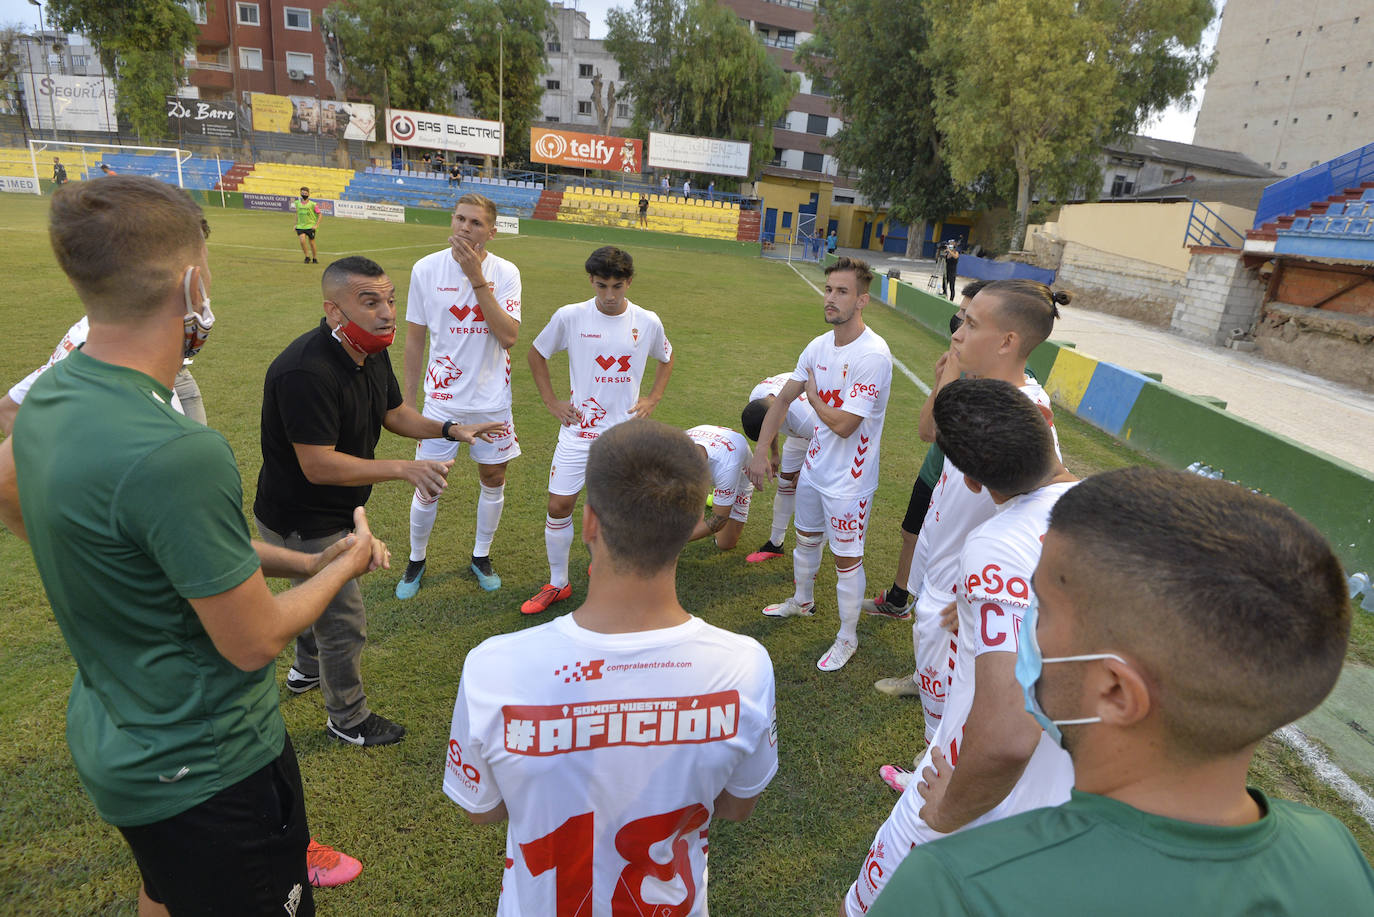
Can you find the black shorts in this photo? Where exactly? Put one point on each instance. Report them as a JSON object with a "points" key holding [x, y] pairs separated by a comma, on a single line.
{"points": [[308, 233], [240, 852]]}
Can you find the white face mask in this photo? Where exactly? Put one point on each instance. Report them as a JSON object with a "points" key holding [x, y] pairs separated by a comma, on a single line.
{"points": [[196, 323]]}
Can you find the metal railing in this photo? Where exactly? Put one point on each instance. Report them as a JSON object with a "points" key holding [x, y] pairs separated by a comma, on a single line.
{"points": [[1315, 184], [1206, 227]]}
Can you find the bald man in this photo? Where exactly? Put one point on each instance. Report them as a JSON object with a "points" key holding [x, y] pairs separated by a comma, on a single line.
{"points": [[324, 404]]}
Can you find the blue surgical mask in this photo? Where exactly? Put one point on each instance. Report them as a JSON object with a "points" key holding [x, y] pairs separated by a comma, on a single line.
{"points": [[1028, 665]]}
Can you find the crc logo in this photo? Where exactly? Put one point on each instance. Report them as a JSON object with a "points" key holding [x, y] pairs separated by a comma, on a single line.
{"points": [[607, 362], [455, 763], [443, 372], [402, 127], [590, 413], [462, 313], [847, 523], [551, 146], [579, 672]]}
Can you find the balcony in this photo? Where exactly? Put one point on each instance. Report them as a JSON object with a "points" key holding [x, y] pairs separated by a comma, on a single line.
{"points": [[807, 5], [210, 74]]}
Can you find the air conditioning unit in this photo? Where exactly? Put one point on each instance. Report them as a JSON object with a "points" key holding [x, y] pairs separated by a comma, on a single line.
{"points": [[296, 74]]}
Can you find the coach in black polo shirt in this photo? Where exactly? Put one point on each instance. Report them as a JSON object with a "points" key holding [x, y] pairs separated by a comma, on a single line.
{"points": [[324, 403]]}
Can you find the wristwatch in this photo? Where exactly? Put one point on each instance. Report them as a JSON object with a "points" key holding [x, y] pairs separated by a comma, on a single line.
{"points": [[443, 431]]}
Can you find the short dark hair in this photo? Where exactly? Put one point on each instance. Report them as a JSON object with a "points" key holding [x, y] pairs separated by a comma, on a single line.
{"points": [[610, 263], [1234, 605], [751, 418], [647, 483], [124, 241], [971, 288], [353, 266], [994, 434], [863, 274], [1027, 307]]}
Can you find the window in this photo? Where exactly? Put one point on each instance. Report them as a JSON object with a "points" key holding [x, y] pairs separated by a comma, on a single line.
{"points": [[1256, 82], [782, 123], [584, 108], [1121, 186], [1342, 68], [297, 19], [553, 84], [843, 199], [584, 70], [1328, 116], [1286, 77], [1245, 126], [1266, 41], [1284, 164], [250, 58], [197, 10], [554, 47], [1307, 75], [1295, 120], [553, 118], [817, 124], [622, 109], [813, 162], [302, 63], [248, 14], [1276, 122]]}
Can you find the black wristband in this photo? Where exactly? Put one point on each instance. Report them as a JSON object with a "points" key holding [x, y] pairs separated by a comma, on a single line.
{"points": [[443, 431]]}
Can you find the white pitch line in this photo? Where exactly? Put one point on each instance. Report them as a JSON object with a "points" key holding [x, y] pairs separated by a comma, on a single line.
{"points": [[915, 380], [1327, 771], [394, 248]]}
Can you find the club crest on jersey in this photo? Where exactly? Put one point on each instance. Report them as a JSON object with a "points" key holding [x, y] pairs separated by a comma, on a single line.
{"points": [[579, 672], [634, 336], [443, 372]]}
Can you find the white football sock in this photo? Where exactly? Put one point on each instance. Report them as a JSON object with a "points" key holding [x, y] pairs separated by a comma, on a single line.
{"points": [[422, 516], [784, 501], [806, 560], [558, 539], [849, 592], [489, 505]]}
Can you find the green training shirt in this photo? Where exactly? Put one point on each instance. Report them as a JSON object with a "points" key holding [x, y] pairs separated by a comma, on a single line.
{"points": [[132, 509], [1094, 855], [307, 214]]}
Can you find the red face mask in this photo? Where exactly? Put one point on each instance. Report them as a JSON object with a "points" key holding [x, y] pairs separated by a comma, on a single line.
{"points": [[364, 341]]}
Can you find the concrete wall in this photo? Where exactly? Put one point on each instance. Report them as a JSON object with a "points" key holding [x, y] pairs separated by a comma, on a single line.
{"points": [[1129, 287], [787, 195], [1142, 231], [1221, 295], [1179, 429]]}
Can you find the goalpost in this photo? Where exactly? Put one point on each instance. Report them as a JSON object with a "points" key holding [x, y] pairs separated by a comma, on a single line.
{"points": [[91, 159]]}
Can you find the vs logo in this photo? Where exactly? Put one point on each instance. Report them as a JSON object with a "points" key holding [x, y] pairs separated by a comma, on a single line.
{"points": [[622, 364], [443, 372], [831, 397], [462, 313]]}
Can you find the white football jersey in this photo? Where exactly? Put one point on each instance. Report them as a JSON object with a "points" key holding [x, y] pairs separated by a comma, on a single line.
{"points": [[468, 368], [76, 336], [727, 452], [955, 511], [800, 420], [609, 751], [856, 378], [606, 359], [997, 562]]}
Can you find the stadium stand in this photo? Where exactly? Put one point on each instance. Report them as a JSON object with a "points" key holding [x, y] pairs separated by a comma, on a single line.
{"points": [[196, 172], [417, 189], [283, 178], [710, 219]]}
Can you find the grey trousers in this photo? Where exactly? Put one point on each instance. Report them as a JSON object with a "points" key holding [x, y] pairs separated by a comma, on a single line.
{"points": [[332, 647]]}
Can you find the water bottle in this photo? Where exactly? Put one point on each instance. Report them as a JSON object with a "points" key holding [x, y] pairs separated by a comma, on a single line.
{"points": [[1361, 591]]}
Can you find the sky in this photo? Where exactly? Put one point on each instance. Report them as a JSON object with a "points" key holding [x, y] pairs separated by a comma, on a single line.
{"points": [[1174, 124]]}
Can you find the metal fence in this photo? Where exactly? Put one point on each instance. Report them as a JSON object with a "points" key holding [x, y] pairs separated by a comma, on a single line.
{"points": [[1315, 184]]}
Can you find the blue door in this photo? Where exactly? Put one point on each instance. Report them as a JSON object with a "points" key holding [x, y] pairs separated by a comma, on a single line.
{"points": [[787, 226], [770, 223], [868, 234]]}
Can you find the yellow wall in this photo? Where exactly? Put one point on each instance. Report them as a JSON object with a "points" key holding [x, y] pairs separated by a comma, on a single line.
{"points": [[851, 219], [1147, 231], [787, 195]]}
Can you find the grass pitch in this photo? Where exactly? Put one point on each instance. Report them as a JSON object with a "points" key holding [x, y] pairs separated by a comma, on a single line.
{"points": [[732, 320]]}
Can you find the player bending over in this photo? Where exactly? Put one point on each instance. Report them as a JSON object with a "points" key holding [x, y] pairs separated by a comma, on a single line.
{"points": [[798, 426]]}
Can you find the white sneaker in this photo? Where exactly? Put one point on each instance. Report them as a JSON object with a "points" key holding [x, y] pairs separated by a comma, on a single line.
{"points": [[790, 609], [903, 686], [840, 652]]}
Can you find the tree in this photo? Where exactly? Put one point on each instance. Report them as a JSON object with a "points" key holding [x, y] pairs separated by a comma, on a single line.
{"points": [[143, 43], [413, 54], [870, 55], [1028, 90], [692, 67]]}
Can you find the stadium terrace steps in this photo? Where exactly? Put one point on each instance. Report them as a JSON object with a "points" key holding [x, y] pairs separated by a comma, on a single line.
{"points": [[708, 219], [196, 172], [417, 189], [285, 179], [750, 224], [234, 177], [547, 208]]}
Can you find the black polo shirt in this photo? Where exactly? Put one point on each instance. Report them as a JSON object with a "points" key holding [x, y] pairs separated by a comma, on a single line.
{"points": [[316, 395]]}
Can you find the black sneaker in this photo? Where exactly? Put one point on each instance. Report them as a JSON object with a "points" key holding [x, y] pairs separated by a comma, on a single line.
{"points": [[410, 580], [298, 683], [307, 259], [375, 730], [314, 260]]}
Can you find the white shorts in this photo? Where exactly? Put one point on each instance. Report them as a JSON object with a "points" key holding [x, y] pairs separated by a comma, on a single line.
{"points": [[568, 470], [843, 519], [482, 452], [793, 454], [935, 650], [744, 493]]}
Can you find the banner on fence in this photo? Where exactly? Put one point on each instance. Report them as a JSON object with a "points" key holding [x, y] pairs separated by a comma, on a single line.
{"points": [[272, 113], [281, 202], [698, 154], [309, 115], [197, 118], [507, 225], [18, 184], [348, 120], [69, 103], [585, 151], [365, 210], [444, 132]]}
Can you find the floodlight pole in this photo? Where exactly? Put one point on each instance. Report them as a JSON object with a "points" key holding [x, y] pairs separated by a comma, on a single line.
{"points": [[501, 95], [47, 69]]}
